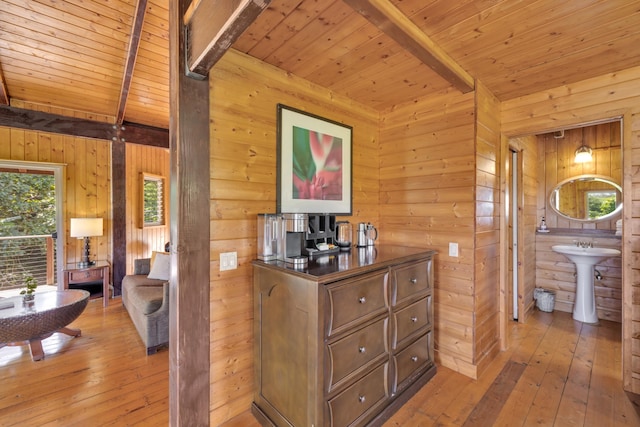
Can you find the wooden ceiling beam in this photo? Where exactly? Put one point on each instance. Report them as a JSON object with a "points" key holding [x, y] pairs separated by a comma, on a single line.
{"points": [[212, 27], [4, 93], [390, 20], [132, 53], [46, 122]]}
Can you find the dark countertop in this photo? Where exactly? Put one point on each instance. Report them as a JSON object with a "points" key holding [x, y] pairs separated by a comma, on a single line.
{"points": [[331, 267]]}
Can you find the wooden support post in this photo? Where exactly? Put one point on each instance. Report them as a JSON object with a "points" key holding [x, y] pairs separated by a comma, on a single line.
{"points": [[189, 285], [119, 219]]}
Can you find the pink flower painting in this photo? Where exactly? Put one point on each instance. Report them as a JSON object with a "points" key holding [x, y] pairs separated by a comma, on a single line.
{"points": [[317, 165]]}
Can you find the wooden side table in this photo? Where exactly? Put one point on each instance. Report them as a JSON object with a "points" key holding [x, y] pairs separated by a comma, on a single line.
{"points": [[100, 271]]}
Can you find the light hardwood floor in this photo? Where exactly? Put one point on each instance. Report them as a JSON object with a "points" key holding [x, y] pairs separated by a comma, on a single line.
{"points": [[557, 372]]}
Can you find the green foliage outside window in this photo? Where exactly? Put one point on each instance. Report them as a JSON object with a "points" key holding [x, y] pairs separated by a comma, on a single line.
{"points": [[27, 208], [601, 203], [27, 204], [153, 201]]}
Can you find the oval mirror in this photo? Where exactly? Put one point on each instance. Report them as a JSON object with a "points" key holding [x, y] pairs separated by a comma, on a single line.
{"points": [[587, 198]]}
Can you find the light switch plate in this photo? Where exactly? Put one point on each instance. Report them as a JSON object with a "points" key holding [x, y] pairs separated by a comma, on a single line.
{"points": [[228, 261], [453, 249]]}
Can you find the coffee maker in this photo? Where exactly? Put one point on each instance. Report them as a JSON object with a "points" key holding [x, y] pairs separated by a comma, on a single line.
{"points": [[268, 236], [321, 235], [294, 229]]}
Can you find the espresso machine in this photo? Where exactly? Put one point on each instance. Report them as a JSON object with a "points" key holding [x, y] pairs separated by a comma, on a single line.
{"points": [[320, 238], [294, 229]]}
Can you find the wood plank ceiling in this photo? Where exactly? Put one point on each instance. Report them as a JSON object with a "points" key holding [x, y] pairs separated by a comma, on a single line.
{"points": [[73, 54]]}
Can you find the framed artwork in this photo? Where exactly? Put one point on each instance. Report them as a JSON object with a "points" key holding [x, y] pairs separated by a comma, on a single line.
{"points": [[314, 164]]}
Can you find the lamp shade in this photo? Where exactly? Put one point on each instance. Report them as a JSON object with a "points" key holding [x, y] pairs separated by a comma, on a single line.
{"points": [[86, 227], [583, 154]]}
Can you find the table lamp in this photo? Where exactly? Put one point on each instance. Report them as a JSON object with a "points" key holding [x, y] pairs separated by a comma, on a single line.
{"points": [[83, 228]]}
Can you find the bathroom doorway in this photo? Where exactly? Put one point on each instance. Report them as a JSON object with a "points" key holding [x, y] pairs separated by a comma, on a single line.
{"points": [[534, 166]]}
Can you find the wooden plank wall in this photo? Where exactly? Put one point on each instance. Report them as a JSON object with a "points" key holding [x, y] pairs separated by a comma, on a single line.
{"points": [[631, 252], [142, 241], [88, 174], [487, 229], [605, 97], [556, 273], [558, 164], [427, 178], [244, 94]]}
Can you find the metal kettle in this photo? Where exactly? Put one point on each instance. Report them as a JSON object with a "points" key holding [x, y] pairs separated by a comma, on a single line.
{"points": [[371, 234]]}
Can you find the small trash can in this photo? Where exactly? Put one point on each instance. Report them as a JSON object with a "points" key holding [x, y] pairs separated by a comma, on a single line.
{"points": [[545, 300]]}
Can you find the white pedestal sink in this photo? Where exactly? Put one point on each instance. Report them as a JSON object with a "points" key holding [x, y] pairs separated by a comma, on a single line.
{"points": [[585, 259]]}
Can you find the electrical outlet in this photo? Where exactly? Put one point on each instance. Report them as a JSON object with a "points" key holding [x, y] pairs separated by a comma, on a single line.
{"points": [[228, 261], [453, 249]]}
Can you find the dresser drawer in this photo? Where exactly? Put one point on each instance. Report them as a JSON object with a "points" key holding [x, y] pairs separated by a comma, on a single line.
{"points": [[355, 301], [359, 402], [409, 281], [83, 276], [357, 352], [411, 360], [410, 321]]}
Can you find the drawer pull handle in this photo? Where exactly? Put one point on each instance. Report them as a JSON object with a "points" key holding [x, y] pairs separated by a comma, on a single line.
{"points": [[414, 358], [362, 349], [362, 300], [414, 319], [414, 281], [361, 399]]}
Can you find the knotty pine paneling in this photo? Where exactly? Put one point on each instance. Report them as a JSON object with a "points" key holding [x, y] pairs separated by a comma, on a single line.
{"points": [[244, 95], [593, 100], [487, 238], [630, 250], [558, 164], [556, 272], [427, 179], [142, 241]]}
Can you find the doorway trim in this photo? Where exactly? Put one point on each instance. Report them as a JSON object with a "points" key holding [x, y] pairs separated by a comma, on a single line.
{"points": [[59, 171], [515, 191]]}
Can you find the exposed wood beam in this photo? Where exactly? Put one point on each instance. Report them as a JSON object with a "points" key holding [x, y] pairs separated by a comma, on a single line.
{"points": [[144, 135], [4, 93], [390, 20], [189, 308], [213, 26], [119, 214], [54, 123], [132, 53], [46, 122]]}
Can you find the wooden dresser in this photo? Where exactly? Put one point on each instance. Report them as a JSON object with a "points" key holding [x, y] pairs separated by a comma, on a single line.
{"points": [[344, 341]]}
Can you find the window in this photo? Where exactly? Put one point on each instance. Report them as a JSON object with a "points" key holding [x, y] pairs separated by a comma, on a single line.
{"points": [[153, 206]]}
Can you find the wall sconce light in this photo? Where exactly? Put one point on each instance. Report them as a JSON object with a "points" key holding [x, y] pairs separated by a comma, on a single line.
{"points": [[83, 228], [583, 154]]}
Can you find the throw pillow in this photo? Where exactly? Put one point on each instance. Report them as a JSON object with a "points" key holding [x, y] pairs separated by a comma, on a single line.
{"points": [[153, 256], [161, 268]]}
